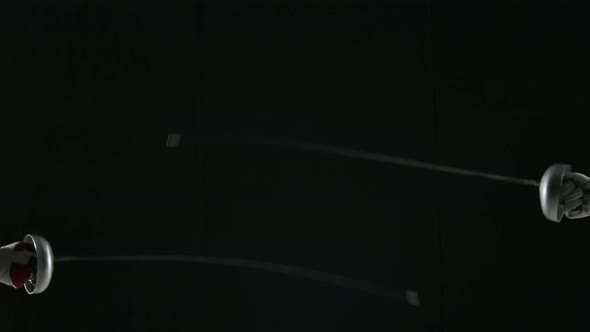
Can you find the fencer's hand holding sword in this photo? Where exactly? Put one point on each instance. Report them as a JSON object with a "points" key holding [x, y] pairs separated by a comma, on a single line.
{"points": [[575, 196], [564, 193], [27, 264]]}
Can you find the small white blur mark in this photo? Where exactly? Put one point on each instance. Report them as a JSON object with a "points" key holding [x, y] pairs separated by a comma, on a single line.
{"points": [[173, 140], [413, 298]]}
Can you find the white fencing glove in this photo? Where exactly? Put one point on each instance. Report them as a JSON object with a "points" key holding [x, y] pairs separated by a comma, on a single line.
{"points": [[17, 264], [575, 196]]}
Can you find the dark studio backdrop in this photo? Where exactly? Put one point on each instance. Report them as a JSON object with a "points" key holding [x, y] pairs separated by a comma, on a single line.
{"points": [[91, 90]]}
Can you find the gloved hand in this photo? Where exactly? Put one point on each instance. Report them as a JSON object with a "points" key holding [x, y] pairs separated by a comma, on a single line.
{"points": [[575, 196], [17, 263]]}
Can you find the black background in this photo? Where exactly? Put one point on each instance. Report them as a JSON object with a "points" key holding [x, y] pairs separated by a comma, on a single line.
{"points": [[91, 90]]}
